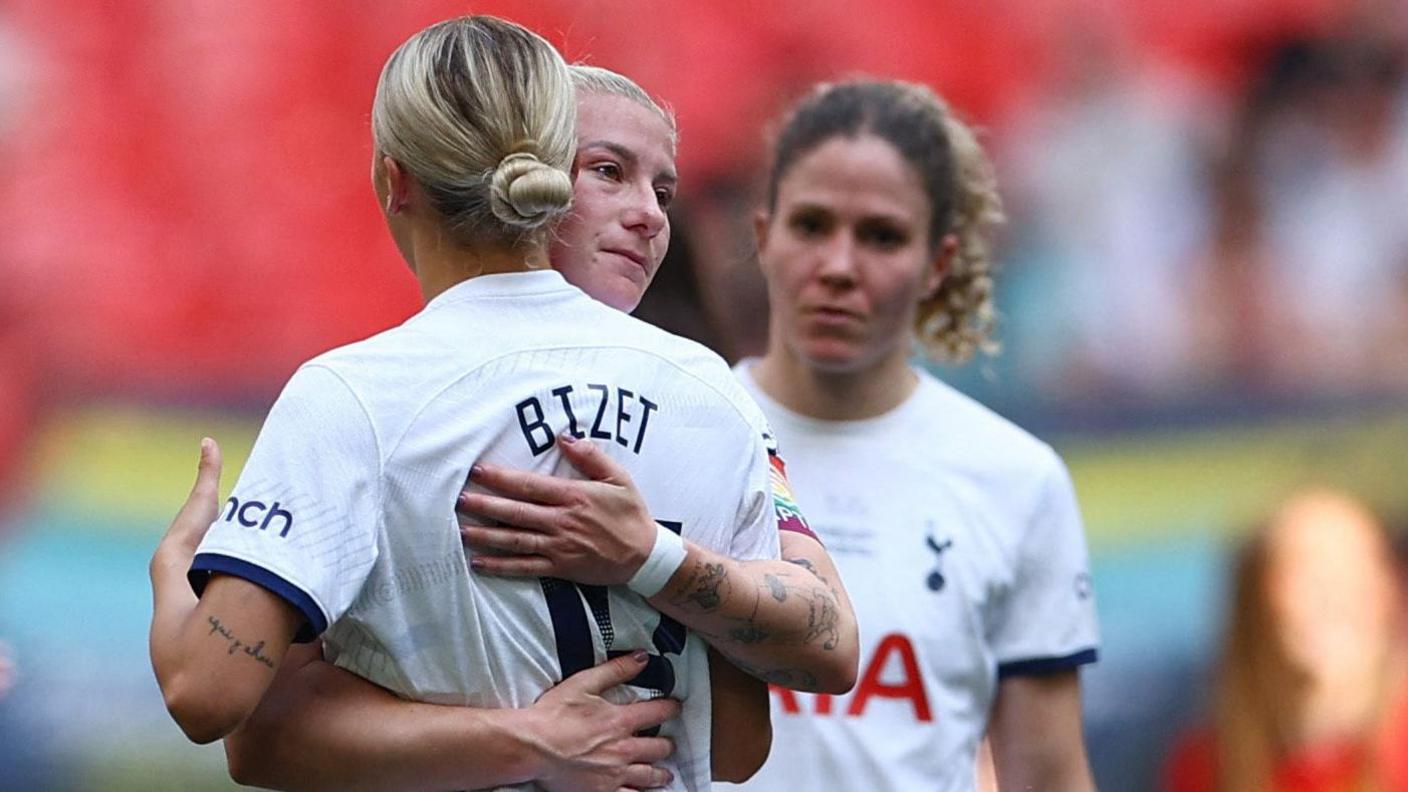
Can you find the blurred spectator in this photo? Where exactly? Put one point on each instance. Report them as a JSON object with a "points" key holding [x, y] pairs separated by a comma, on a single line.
{"points": [[1309, 692], [1331, 170], [1106, 169]]}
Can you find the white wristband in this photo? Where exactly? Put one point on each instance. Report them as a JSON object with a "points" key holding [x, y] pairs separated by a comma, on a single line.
{"points": [[665, 558]]}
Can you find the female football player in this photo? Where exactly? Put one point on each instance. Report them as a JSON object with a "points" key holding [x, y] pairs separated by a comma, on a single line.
{"points": [[958, 533]]}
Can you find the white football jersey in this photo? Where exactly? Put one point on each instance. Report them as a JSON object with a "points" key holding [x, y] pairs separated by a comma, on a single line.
{"points": [[346, 507], [959, 540]]}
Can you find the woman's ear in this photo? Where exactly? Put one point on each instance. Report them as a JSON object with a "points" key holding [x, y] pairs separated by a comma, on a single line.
{"points": [[397, 184], [939, 266]]}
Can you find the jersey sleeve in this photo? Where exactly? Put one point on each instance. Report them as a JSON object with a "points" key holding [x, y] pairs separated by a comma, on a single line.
{"points": [[1047, 620], [755, 535], [302, 521]]}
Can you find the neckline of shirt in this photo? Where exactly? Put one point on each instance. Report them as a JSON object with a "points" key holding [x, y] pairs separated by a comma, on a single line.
{"points": [[894, 415], [527, 283]]}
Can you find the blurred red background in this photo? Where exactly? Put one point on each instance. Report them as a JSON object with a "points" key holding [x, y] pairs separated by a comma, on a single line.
{"points": [[185, 211]]}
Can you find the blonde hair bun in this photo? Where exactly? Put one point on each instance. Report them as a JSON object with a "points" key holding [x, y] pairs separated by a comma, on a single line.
{"points": [[480, 111], [526, 193]]}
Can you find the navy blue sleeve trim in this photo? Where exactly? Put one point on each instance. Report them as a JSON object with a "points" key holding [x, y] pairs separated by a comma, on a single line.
{"points": [[205, 563], [1045, 665]]}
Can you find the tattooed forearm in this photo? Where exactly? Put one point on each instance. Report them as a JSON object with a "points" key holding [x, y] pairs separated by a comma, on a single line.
{"points": [[783, 623], [707, 588], [255, 651], [821, 616]]}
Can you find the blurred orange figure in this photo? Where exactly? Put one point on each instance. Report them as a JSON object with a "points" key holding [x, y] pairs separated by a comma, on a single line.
{"points": [[1309, 690]]}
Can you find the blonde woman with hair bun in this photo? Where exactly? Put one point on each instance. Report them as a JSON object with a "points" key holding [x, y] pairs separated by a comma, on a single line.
{"points": [[343, 524]]}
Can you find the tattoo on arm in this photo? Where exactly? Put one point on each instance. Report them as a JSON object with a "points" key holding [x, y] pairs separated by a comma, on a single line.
{"points": [[822, 614], [255, 651], [707, 588], [821, 621], [794, 678], [805, 564], [749, 634], [776, 587]]}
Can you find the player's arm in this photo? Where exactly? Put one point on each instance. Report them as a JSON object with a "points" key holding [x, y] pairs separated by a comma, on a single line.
{"points": [[785, 621], [1041, 633], [788, 622], [213, 657], [1035, 732], [742, 724], [321, 727]]}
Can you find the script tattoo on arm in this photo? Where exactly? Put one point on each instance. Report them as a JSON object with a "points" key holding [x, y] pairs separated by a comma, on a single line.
{"points": [[255, 651]]}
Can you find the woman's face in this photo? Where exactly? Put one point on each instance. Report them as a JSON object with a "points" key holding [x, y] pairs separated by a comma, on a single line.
{"points": [[847, 255], [1331, 586], [611, 244]]}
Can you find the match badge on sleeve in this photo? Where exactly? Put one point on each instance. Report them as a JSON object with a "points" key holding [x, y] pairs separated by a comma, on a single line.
{"points": [[789, 515]]}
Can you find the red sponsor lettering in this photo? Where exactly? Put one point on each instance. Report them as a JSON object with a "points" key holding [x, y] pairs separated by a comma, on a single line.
{"points": [[786, 699], [910, 687]]}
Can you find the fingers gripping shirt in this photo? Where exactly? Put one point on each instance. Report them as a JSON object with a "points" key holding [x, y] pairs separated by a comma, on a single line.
{"points": [[302, 520]]}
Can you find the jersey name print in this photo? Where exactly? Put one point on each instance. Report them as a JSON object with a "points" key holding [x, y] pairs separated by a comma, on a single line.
{"points": [[614, 408], [369, 445]]}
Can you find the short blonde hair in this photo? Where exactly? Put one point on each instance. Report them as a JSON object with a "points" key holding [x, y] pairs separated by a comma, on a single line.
{"points": [[596, 80], [480, 111], [958, 319]]}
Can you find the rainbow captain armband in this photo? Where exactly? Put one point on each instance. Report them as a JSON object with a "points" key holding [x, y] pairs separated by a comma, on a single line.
{"points": [[789, 515]]}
